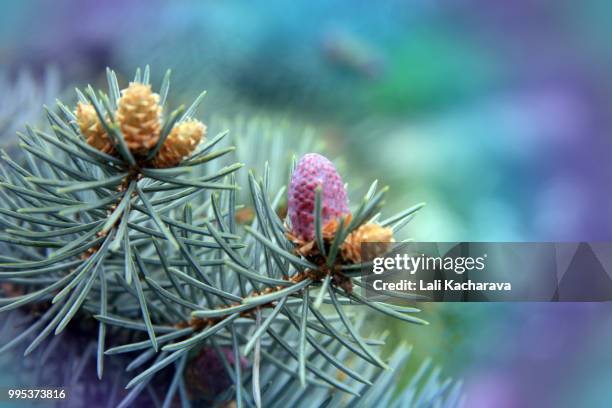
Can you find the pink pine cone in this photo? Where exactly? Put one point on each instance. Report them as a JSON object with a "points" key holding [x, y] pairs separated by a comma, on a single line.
{"points": [[313, 170]]}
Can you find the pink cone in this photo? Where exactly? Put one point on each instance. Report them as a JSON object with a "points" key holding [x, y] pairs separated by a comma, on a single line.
{"points": [[313, 170]]}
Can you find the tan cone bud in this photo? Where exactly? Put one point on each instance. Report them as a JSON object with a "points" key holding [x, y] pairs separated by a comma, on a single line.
{"points": [[351, 248], [180, 143], [139, 117], [92, 129]]}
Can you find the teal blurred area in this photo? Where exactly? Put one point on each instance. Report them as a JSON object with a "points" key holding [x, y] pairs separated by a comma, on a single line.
{"points": [[495, 113]]}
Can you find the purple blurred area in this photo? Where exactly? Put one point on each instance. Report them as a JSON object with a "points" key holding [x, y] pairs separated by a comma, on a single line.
{"points": [[545, 355], [496, 113]]}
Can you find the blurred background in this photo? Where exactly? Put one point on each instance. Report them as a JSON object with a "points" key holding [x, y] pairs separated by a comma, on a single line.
{"points": [[495, 113]]}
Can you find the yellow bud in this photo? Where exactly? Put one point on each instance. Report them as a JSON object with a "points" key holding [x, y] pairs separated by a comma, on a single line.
{"points": [[180, 143], [139, 117], [92, 129], [374, 233]]}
